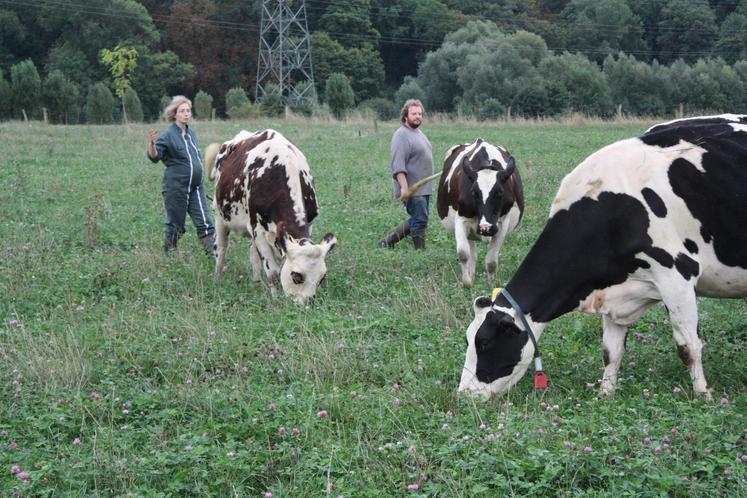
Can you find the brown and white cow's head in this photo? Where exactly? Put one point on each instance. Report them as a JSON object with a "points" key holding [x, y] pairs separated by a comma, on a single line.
{"points": [[488, 178], [304, 268], [498, 351]]}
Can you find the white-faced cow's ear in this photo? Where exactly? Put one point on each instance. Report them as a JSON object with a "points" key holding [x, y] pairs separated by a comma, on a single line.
{"points": [[508, 170], [328, 242], [482, 302]]}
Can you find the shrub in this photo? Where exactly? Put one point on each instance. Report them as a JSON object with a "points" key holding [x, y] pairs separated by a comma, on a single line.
{"points": [[235, 98], [272, 102], [491, 109], [26, 87], [132, 107], [382, 108], [203, 107], [61, 98], [100, 104], [6, 98], [305, 104], [410, 89], [339, 94], [247, 110]]}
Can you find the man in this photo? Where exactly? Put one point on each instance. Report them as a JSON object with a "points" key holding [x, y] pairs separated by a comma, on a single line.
{"points": [[412, 161]]}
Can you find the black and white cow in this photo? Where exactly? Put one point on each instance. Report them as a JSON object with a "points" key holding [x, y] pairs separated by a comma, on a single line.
{"points": [[480, 197], [656, 218], [264, 190]]}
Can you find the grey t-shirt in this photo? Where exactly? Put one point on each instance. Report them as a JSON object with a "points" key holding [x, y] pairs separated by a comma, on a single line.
{"points": [[412, 154]]}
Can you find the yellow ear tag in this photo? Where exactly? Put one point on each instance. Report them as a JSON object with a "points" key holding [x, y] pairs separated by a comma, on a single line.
{"points": [[496, 291], [292, 239]]}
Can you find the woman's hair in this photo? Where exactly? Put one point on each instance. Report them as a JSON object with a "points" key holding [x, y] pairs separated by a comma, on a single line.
{"points": [[406, 108], [169, 114]]}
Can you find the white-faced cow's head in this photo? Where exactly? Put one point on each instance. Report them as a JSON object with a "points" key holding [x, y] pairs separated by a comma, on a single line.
{"points": [[498, 351], [488, 177], [304, 268]]}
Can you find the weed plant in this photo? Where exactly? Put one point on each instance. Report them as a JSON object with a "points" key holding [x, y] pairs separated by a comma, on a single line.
{"points": [[126, 372]]}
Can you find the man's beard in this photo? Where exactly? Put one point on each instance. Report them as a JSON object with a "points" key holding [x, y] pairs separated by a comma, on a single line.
{"points": [[413, 124]]}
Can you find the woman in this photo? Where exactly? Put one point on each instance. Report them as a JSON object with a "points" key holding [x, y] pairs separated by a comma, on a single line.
{"points": [[183, 188]]}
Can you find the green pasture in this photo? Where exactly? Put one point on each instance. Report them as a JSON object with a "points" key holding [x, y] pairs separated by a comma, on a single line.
{"points": [[127, 373]]}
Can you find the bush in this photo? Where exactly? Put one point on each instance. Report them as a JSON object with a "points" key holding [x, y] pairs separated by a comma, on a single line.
{"points": [[382, 108], [410, 89], [165, 101], [26, 87], [61, 98], [132, 107], [100, 104], [235, 99], [203, 107], [304, 105], [338, 94], [491, 109], [6, 98], [272, 102], [247, 110]]}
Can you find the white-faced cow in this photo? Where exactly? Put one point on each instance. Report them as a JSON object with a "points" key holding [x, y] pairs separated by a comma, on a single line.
{"points": [[480, 197], [264, 190], [656, 218]]}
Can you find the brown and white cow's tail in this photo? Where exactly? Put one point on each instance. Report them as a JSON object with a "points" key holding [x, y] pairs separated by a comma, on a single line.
{"points": [[211, 153]]}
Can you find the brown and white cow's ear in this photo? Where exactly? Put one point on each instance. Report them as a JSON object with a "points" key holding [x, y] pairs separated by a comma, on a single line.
{"points": [[328, 242], [481, 303], [281, 237]]}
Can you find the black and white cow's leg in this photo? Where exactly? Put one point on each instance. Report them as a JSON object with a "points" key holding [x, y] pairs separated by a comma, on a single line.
{"points": [[613, 344], [221, 245], [464, 252], [682, 305], [494, 247]]}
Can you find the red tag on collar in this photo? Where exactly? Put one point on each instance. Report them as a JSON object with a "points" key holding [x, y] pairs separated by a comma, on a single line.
{"points": [[540, 380]]}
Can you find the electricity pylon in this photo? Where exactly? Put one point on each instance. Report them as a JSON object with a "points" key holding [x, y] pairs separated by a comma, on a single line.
{"points": [[285, 50]]}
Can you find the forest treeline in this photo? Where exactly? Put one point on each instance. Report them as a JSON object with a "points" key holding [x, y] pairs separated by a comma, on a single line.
{"points": [[480, 58]]}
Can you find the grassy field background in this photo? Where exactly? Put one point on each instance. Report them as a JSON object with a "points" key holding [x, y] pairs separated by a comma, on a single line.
{"points": [[123, 372]]}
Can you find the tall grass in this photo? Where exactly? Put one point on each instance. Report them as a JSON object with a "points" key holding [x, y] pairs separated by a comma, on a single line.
{"points": [[123, 371]]}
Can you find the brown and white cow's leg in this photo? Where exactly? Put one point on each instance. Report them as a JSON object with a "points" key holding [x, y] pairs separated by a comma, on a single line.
{"points": [[683, 314], [494, 247], [465, 252], [267, 256], [613, 344], [221, 244], [256, 262]]}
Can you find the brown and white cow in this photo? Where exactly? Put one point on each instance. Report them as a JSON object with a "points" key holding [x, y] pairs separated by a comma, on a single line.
{"points": [[264, 190], [480, 197], [657, 218]]}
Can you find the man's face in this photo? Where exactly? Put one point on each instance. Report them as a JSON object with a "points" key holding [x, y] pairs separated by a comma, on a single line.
{"points": [[414, 117]]}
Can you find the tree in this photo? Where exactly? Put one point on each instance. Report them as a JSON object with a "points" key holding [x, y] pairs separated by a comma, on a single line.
{"points": [[121, 62], [61, 98], [26, 86], [158, 74], [583, 80], [601, 27], [687, 29], [410, 89], [131, 105], [203, 105], [636, 86], [12, 35], [339, 94], [350, 23], [99, 104], [732, 42]]}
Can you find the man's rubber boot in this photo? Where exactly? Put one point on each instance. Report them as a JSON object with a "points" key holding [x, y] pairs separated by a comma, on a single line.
{"points": [[169, 243], [399, 233], [418, 238], [208, 243]]}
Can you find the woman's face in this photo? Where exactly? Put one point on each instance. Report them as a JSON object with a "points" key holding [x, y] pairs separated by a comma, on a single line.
{"points": [[183, 114]]}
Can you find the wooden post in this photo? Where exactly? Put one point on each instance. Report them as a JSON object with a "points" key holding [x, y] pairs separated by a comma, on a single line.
{"points": [[25, 117], [619, 111], [212, 114], [46, 115]]}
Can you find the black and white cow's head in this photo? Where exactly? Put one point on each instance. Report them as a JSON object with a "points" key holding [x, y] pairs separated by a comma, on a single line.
{"points": [[498, 351], [488, 178], [304, 268]]}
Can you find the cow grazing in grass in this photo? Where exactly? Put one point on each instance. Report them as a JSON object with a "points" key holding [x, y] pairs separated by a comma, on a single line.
{"points": [[656, 218], [264, 190], [480, 197]]}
